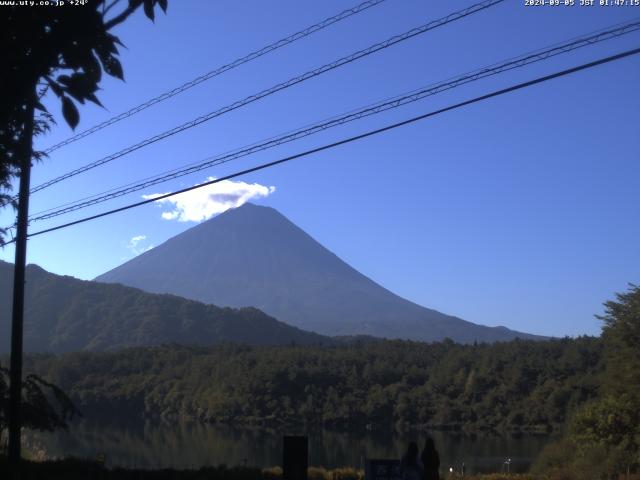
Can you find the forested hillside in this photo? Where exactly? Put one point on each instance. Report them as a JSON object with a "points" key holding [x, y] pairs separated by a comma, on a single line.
{"points": [[519, 385], [66, 314]]}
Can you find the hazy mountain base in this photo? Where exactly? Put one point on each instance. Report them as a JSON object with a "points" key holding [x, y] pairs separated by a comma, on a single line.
{"points": [[514, 386]]}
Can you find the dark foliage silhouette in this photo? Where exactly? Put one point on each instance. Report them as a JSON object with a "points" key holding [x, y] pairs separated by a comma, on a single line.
{"points": [[45, 406], [63, 50]]}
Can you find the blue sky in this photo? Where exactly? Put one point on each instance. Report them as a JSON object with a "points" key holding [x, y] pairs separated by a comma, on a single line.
{"points": [[520, 211]]}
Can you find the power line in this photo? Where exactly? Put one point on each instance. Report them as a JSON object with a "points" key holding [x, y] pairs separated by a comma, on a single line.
{"points": [[276, 88], [220, 70], [370, 133], [395, 102]]}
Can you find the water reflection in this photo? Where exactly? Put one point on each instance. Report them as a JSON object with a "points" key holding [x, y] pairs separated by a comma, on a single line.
{"points": [[191, 446]]}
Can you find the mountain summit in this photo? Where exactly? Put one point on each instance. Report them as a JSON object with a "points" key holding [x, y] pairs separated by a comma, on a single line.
{"points": [[254, 256]]}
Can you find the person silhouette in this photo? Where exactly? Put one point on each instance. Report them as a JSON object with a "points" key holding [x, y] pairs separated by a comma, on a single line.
{"points": [[410, 466], [430, 461]]}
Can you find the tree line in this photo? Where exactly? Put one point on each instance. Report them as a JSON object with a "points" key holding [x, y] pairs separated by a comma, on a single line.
{"points": [[515, 386]]}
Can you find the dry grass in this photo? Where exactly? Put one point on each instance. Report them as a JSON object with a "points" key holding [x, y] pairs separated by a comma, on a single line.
{"points": [[318, 473], [492, 476]]}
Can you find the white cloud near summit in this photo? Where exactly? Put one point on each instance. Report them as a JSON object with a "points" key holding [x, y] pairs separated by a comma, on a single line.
{"points": [[135, 244], [205, 202]]}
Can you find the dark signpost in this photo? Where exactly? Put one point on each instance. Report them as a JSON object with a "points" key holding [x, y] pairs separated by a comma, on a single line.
{"points": [[295, 457], [382, 470]]}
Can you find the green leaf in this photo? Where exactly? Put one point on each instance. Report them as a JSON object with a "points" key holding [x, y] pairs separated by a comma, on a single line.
{"points": [[106, 46], [115, 40], [112, 67], [70, 112], [148, 9], [78, 85], [57, 89], [92, 68], [91, 97], [64, 79], [163, 5]]}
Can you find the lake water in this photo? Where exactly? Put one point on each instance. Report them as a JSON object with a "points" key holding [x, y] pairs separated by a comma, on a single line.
{"points": [[194, 446]]}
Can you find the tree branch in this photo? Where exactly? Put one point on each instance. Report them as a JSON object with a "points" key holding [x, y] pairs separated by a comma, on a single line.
{"points": [[107, 8], [118, 19]]}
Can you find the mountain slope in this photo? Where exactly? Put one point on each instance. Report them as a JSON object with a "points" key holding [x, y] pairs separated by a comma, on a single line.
{"points": [[66, 314], [254, 256]]}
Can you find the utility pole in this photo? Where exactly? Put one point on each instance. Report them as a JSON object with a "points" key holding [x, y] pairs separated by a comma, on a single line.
{"points": [[17, 319]]}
